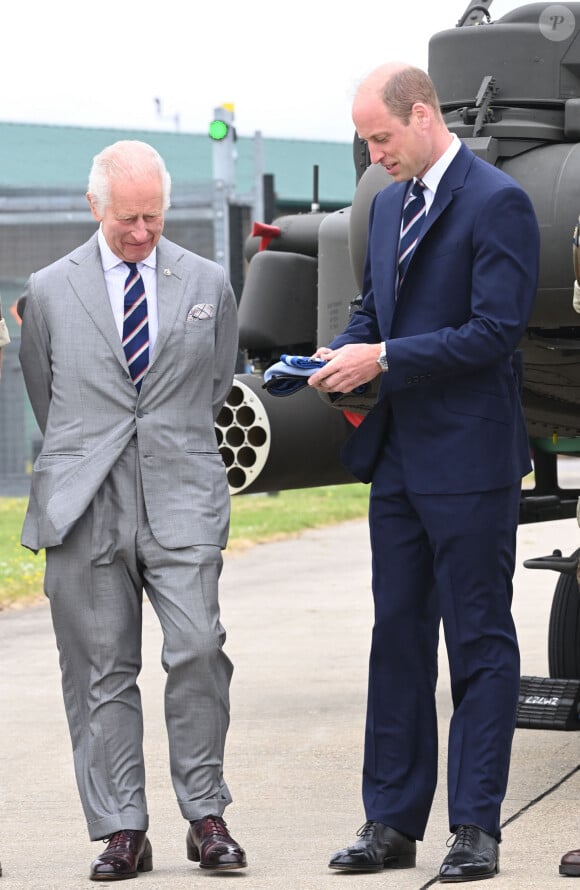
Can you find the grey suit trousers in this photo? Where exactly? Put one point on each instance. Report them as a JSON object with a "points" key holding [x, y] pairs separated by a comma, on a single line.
{"points": [[94, 582]]}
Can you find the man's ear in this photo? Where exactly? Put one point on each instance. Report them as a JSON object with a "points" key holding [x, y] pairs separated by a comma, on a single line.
{"points": [[98, 216], [421, 114]]}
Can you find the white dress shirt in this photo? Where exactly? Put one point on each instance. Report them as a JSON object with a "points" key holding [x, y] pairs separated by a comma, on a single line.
{"points": [[435, 174], [116, 272]]}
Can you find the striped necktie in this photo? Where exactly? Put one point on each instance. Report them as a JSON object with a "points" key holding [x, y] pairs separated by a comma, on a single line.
{"points": [[135, 325], [413, 216]]}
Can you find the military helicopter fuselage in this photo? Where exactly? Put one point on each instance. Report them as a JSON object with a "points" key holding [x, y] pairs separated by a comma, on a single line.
{"points": [[510, 89]]}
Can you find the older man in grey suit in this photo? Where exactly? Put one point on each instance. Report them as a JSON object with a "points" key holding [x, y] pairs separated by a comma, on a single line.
{"points": [[128, 351]]}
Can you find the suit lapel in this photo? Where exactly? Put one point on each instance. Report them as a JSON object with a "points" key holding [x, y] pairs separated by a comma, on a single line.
{"points": [[170, 287], [388, 257], [88, 282], [452, 179]]}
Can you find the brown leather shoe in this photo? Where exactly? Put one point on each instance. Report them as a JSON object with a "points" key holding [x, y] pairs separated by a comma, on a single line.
{"points": [[570, 864], [127, 853], [209, 843]]}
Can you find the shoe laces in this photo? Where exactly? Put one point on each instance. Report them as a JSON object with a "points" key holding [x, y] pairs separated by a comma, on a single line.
{"points": [[217, 826], [118, 839], [366, 829], [465, 836]]}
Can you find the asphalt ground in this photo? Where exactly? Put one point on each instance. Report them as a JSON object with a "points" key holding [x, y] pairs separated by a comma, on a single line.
{"points": [[298, 619]]}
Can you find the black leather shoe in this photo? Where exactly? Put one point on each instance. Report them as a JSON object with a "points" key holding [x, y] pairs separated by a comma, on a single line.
{"points": [[570, 864], [127, 853], [209, 843], [379, 847], [474, 855]]}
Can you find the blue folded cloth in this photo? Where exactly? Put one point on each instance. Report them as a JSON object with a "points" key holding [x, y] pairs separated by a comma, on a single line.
{"points": [[291, 374], [303, 363]]}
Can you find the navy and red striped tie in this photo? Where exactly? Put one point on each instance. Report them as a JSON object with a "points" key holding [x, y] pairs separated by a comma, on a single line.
{"points": [[413, 217], [135, 325]]}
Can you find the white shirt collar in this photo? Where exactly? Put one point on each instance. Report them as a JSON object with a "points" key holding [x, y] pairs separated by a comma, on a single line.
{"points": [[435, 174]]}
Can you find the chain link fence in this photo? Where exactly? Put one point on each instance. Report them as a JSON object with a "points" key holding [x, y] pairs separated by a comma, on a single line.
{"points": [[35, 230]]}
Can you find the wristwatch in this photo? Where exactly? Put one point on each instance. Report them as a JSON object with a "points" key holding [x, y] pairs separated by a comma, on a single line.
{"points": [[382, 359]]}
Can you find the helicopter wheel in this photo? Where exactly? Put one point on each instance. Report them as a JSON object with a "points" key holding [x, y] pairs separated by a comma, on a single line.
{"points": [[564, 629]]}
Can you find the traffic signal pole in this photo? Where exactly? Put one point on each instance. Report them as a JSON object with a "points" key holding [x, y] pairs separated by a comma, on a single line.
{"points": [[223, 136]]}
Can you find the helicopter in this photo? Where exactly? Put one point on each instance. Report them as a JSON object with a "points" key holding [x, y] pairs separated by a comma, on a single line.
{"points": [[510, 90]]}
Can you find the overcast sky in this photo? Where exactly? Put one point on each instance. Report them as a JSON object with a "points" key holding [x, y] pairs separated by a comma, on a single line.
{"points": [[289, 68]]}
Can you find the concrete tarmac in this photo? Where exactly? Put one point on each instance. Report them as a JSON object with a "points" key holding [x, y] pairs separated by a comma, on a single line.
{"points": [[298, 618]]}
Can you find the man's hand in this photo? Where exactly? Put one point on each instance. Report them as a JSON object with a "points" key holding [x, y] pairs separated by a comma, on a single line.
{"points": [[348, 367]]}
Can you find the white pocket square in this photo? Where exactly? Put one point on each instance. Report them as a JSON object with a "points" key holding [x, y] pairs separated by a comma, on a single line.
{"points": [[201, 310]]}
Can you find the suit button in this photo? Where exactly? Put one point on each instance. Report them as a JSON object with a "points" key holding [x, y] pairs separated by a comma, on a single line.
{"points": [[139, 412]]}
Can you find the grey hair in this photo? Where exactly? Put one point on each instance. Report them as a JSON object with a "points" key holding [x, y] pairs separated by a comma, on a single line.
{"points": [[126, 159]]}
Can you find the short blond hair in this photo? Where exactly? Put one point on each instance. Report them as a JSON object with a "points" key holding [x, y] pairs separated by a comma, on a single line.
{"points": [[407, 86]]}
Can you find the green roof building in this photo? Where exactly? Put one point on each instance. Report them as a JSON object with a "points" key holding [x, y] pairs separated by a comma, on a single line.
{"points": [[44, 214]]}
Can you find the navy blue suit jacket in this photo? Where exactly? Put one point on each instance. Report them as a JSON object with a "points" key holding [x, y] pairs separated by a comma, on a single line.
{"points": [[451, 333]]}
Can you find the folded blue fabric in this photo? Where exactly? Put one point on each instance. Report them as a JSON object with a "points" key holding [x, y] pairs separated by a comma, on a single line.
{"points": [[291, 374], [303, 362]]}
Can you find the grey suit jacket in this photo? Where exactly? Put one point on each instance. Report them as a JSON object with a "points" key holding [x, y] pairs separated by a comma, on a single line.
{"points": [[88, 408]]}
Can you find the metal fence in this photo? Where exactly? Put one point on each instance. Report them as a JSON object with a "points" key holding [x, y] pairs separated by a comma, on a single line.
{"points": [[35, 230], [19, 434]]}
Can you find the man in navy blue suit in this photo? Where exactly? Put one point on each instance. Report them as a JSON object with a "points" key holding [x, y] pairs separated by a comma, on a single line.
{"points": [[445, 448]]}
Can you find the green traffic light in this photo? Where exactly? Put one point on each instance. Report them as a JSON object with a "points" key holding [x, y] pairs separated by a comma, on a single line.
{"points": [[218, 130]]}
